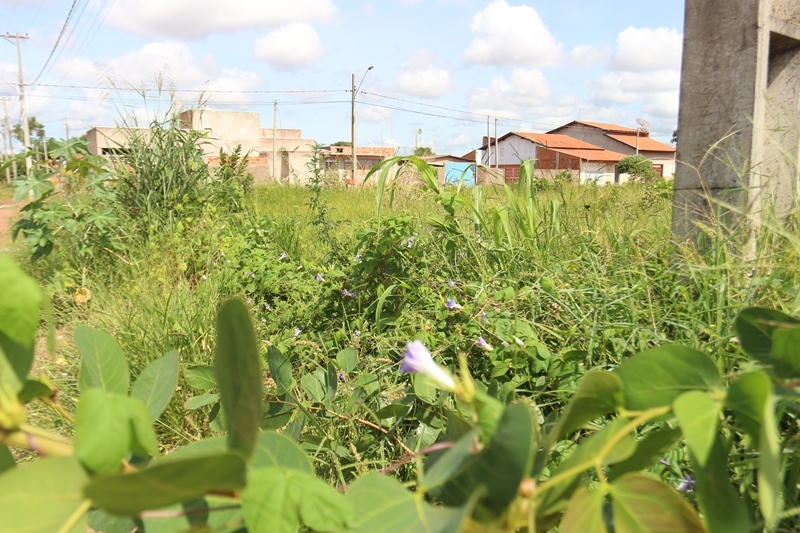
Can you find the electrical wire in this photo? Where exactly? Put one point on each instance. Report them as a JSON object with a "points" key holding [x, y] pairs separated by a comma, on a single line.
{"points": [[58, 40]]}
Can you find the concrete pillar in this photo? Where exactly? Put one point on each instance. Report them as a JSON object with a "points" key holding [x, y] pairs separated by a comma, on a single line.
{"points": [[739, 121]]}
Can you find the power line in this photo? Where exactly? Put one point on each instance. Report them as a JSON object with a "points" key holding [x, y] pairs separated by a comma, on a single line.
{"points": [[58, 40], [237, 91]]}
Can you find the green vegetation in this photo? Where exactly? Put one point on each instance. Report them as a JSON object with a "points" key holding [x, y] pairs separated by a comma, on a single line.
{"points": [[639, 167], [190, 352]]}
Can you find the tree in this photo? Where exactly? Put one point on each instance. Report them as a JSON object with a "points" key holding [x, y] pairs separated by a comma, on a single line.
{"points": [[423, 151], [674, 137], [35, 128], [342, 143], [638, 167]]}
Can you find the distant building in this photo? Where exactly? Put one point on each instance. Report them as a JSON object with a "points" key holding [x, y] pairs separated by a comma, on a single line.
{"points": [[339, 160], [553, 153], [628, 141]]}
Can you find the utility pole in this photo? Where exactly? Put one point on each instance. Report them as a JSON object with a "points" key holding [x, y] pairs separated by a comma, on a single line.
{"points": [[496, 149], [274, 139], [6, 137], [353, 156], [488, 143], [22, 104], [66, 127]]}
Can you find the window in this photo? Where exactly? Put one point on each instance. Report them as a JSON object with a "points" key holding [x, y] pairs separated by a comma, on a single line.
{"points": [[659, 170]]}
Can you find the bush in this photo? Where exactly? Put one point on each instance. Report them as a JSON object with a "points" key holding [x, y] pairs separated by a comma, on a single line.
{"points": [[638, 167]]}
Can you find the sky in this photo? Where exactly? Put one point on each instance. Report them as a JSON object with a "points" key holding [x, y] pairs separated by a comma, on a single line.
{"points": [[441, 67]]}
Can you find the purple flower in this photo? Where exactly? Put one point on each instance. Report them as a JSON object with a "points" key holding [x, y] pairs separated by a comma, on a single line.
{"points": [[483, 345], [263, 320], [268, 307], [451, 283], [203, 277], [249, 300], [296, 332], [410, 242], [663, 462], [418, 360], [686, 484], [452, 305], [253, 276], [320, 278], [483, 316], [345, 292], [282, 256], [340, 376]]}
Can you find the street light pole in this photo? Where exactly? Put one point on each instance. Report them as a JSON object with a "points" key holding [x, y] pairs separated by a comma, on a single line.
{"points": [[353, 157]]}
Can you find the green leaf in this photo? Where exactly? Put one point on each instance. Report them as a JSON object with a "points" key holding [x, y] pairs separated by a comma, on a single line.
{"points": [[281, 370], [15, 362], [499, 467], [442, 467], [598, 394], [720, 505], [209, 514], [102, 430], [331, 382], [156, 383], [698, 416], [424, 389], [33, 389], [645, 505], [656, 377], [201, 377], [272, 449], [584, 512], [196, 402], [383, 505], [143, 437], [347, 360], [7, 461], [167, 483], [312, 387], [755, 327], [269, 504], [103, 364], [654, 444], [751, 399], [322, 508], [43, 496], [238, 371], [19, 309], [785, 354], [100, 520]]}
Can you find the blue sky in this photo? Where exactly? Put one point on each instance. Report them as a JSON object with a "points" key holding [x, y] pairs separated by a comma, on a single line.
{"points": [[441, 66]]}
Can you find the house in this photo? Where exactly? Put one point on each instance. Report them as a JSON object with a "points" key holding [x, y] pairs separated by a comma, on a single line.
{"points": [[338, 159], [274, 155], [628, 141], [452, 169], [553, 153]]}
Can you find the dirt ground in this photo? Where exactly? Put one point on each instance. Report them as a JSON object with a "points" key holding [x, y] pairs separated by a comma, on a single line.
{"points": [[8, 213]]}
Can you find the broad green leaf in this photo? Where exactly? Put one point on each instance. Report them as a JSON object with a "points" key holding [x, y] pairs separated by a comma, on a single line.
{"points": [[442, 467], [19, 309], [646, 505], [277, 413], [499, 467], [236, 364], [201, 377], [143, 437], [698, 416], [280, 369], [43, 496], [6, 459], [382, 505], [156, 383], [424, 389], [218, 517], [312, 387], [321, 507], [196, 402], [331, 382], [653, 445], [584, 512], [785, 353], [347, 360], [103, 364], [755, 327], [656, 377], [751, 399], [102, 430], [269, 504], [272, 449], [33, 390], [720, 505], [598, 394], [167, 483], [100, 520], [15, 362]]}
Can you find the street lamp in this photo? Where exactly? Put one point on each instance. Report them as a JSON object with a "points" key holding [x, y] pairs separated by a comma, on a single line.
{"points": [[353, 121]]}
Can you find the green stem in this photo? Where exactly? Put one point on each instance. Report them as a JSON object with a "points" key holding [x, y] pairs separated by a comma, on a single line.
{"points": [[43, 445], [77, 515]]}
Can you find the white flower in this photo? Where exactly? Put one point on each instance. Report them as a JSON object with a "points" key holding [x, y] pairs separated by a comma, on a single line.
{"points": [[519, 341], [418, 360]]}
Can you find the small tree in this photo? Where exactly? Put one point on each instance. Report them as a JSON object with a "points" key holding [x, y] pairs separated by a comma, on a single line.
{"points": [[638, 167], [423, 151]]}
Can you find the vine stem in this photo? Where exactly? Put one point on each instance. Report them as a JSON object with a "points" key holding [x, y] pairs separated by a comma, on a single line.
{"points": [[597, 460], [37, 441], [77, 515]]}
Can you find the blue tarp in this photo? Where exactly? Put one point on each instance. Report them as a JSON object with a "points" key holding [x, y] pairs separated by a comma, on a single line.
{"points": [[453, 173]]}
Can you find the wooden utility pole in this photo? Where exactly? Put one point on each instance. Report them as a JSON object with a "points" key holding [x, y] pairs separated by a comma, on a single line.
{"points": [[66, 127], [275, 140], [353, 158], [22, 103], [496, 142], [6, 137]]}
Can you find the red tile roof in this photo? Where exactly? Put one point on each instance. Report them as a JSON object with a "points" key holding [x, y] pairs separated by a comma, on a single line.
{"points": [[608, 128], [594, 155], [646, 144], [554, 140]]}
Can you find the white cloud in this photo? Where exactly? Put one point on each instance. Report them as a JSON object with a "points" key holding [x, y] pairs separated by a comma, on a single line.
{"points": [[371, 113], [198, 18], [420, 78], [512, 35], [585, 56], [513, 98], [647, 49], [292, 46]]}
